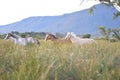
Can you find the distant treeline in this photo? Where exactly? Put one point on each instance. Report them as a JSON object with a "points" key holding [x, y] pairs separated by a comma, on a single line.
{"points": [[41, 35], [107, 34]]}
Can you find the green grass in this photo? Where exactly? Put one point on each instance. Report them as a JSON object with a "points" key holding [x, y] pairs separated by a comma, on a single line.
{"points": [[52, 61]]}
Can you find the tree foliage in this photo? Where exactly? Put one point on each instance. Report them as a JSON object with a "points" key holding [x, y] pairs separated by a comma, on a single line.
{"points": [[86, 36], [105, 32], [108, 3], [116, 33]]}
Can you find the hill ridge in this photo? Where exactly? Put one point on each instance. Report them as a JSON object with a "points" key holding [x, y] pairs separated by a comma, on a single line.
{"points": [[79, 22]]}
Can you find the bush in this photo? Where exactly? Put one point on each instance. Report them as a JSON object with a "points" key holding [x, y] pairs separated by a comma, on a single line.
{"points": [[86, 36]]}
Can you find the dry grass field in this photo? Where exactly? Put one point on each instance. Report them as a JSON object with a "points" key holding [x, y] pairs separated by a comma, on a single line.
{"points": [[52, 61]]}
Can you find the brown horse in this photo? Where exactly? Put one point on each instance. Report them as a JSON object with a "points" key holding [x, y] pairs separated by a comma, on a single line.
{"points": [[55, 39]]}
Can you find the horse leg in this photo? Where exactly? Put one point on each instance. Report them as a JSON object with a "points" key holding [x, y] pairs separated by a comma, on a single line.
{"points": [[37, 41]]}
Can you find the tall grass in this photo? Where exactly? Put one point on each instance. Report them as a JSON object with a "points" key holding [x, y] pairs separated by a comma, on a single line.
{"points": [[52, 61]]}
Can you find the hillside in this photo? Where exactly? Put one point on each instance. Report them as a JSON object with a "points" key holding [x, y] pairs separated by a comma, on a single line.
{"points": [[79, 22]]}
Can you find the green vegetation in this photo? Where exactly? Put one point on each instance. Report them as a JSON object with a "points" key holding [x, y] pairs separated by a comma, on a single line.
{"points": [[86, 36], [52, 61], [39, 35], [105, 32], [107, 3], [110, 33]]}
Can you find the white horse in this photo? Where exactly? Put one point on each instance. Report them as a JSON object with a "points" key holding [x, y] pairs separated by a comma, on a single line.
{"points": [[77, 40], [21, 41]]}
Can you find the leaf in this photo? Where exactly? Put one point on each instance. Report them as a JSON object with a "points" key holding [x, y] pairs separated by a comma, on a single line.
{"points": [[91, 10], [116, 15]]}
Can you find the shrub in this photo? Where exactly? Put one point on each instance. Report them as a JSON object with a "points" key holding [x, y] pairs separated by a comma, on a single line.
{"points": [[86, 36]]}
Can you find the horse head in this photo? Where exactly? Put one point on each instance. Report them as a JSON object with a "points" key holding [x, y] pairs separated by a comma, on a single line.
{"points": [[8, 36], [50, 37], [11, 36], [70, 35]]}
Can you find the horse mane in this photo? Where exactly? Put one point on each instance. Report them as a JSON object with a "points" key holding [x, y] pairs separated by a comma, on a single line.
{"points": [[73, 34], [14, 35], [52, 36]]}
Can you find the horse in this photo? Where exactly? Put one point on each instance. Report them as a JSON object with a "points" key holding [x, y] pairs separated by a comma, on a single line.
{"points": [[55, 39], [21, 41], [77, 40]]}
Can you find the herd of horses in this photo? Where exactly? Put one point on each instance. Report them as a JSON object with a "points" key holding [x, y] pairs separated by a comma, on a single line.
{"points": [[69, 38]]}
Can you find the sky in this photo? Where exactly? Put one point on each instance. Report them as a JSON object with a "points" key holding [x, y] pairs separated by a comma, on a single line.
{"points": [[16, 10]]}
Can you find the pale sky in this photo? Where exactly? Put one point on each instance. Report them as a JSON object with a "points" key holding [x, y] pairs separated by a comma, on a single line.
{"points": [[16, 10]]}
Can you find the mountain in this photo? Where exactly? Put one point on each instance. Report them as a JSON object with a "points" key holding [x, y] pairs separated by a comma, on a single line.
{"points": [[80, 22]]}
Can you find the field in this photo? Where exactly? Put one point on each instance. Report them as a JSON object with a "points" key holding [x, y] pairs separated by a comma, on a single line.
{"points": [[52, 61]]}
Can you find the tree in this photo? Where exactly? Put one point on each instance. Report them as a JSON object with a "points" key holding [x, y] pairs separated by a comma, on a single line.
{"points": [[115, 3], [116, 33], [2, 36], [105, 32], [86, 36], [15, 32], [22, 35], [59, 35]]}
